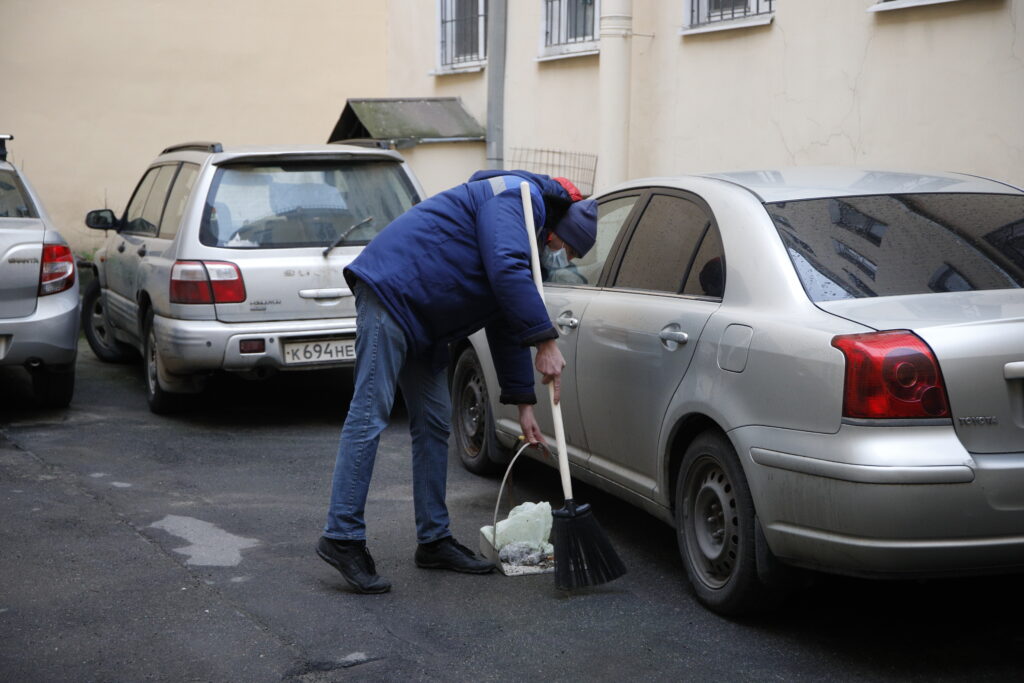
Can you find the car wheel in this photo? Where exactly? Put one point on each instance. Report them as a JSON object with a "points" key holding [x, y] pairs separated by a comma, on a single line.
{"points": [[97, 331], [160, 401], [715, 527], [54, 387], [472, 420]]}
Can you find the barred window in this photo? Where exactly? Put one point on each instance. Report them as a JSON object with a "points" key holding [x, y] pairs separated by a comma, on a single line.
{"points": [[885, 5], [570, 27], [568, 21], [704, 12], [463, 33]]}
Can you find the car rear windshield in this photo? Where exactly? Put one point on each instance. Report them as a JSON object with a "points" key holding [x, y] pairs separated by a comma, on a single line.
{"points": [[888, 245], [302, 204], [14, 200]]}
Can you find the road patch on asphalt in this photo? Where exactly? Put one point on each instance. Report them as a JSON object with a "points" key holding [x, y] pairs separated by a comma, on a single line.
{"points": [[210, 546]]}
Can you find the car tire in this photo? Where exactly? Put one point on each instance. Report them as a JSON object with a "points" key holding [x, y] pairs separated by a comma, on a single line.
{"points": [[54, 387], [97, 331], [160, 401], [472, 419], [715, 526]]}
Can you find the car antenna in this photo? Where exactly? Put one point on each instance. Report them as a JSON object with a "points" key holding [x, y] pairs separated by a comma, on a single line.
{"points": [[341, 238]]}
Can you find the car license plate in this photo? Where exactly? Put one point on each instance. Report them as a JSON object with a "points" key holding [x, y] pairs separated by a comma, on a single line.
{"points": [[319, 351]]}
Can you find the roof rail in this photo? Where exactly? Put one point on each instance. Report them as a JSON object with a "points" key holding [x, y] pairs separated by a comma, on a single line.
{"points": [[214, 147], [4, 137]]}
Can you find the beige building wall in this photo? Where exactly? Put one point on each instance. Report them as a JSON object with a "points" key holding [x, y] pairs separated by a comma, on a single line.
{"points": [[412, 51], [936, 87], [549, 104], [94, 89], [444, 165]]}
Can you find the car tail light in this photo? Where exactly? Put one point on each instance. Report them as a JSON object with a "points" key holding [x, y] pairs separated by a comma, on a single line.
{"points": [[206, 282], [58, 270], [891, 374]]}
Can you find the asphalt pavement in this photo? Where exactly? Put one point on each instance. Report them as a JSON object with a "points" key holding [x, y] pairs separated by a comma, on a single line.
{"points": [[180, 548]]}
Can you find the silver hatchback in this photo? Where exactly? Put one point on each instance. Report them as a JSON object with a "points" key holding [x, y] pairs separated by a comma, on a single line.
{"points": [[818, 368], [231, 259], [39, 305]]}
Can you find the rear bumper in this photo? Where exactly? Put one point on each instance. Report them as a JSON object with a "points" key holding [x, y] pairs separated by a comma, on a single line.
{"points": [[48, 336], [189, 346], [896, 501]]}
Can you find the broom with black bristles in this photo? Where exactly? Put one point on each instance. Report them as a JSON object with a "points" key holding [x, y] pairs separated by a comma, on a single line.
{"points": [[583, 554]]}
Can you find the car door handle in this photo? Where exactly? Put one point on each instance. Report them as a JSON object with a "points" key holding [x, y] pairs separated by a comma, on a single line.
{"points": [[566, 320], [1014, 370], [142, 250], [673, 337], [120, 247]]}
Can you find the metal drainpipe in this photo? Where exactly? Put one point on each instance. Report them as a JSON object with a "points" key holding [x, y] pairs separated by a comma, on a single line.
{"points": [[496, 20], [613, 91]]}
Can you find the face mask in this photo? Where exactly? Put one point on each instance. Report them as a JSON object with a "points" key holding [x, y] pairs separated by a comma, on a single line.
{"points": [[553, 259]]}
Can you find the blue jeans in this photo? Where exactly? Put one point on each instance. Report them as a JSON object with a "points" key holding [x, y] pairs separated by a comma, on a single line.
{"points": [[382, 363]]}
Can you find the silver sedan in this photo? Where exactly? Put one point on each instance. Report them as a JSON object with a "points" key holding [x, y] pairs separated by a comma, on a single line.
{"points": [[39, 306], [815, 367]]}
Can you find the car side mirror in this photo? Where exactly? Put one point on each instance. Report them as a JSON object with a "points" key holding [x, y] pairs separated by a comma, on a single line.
{"points": [[101, 219]]}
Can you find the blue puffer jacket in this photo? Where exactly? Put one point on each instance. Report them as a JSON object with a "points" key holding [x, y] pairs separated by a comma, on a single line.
{"points": [[460, 261]]}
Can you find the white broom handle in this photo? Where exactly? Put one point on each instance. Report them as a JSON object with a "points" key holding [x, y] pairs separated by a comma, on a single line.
{"points": [[556, 410]]}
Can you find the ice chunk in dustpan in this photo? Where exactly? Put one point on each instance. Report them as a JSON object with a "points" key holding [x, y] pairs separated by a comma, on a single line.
{"points": [[526, 523]]}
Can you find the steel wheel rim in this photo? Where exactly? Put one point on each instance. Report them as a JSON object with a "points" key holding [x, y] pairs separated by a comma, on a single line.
{"points": [[99, 324], [711, 522], [472, 414]]}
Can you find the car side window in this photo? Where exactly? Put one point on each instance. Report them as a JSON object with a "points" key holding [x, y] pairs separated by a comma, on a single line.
{"points": [[177, 199], [154, 208], [707, 274], [14, 201], [662, 247], [133, 214], [611, 216]]}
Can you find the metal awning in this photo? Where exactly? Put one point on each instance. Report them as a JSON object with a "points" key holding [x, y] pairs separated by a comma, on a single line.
{"points": [[407, 121]]}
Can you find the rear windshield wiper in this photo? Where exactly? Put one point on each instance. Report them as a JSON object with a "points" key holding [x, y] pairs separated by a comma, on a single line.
{"points": [[341, 238]]}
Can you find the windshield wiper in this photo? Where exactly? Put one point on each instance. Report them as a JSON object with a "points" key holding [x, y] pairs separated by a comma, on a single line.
{"points": [[341, 238]]}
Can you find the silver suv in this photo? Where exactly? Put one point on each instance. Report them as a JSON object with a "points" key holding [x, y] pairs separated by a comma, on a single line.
{"points": [[231, 259], [38, 290]]}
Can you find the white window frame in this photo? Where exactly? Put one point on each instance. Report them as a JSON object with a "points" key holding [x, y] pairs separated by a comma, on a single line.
{"points": [[578, 48], [887, 5], [723, 23], [464, 65]]}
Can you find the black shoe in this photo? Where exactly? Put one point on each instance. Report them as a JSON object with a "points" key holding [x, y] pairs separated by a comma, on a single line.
{"points": [[353, 560], [447, 553]]}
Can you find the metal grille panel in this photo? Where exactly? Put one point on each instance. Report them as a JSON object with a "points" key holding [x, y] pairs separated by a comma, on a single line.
{"points": [[578, 167]]}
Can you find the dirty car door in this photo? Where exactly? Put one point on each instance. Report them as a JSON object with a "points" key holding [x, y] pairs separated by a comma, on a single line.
{"points": [[567, 302], [128, 247], [639, 335]]}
